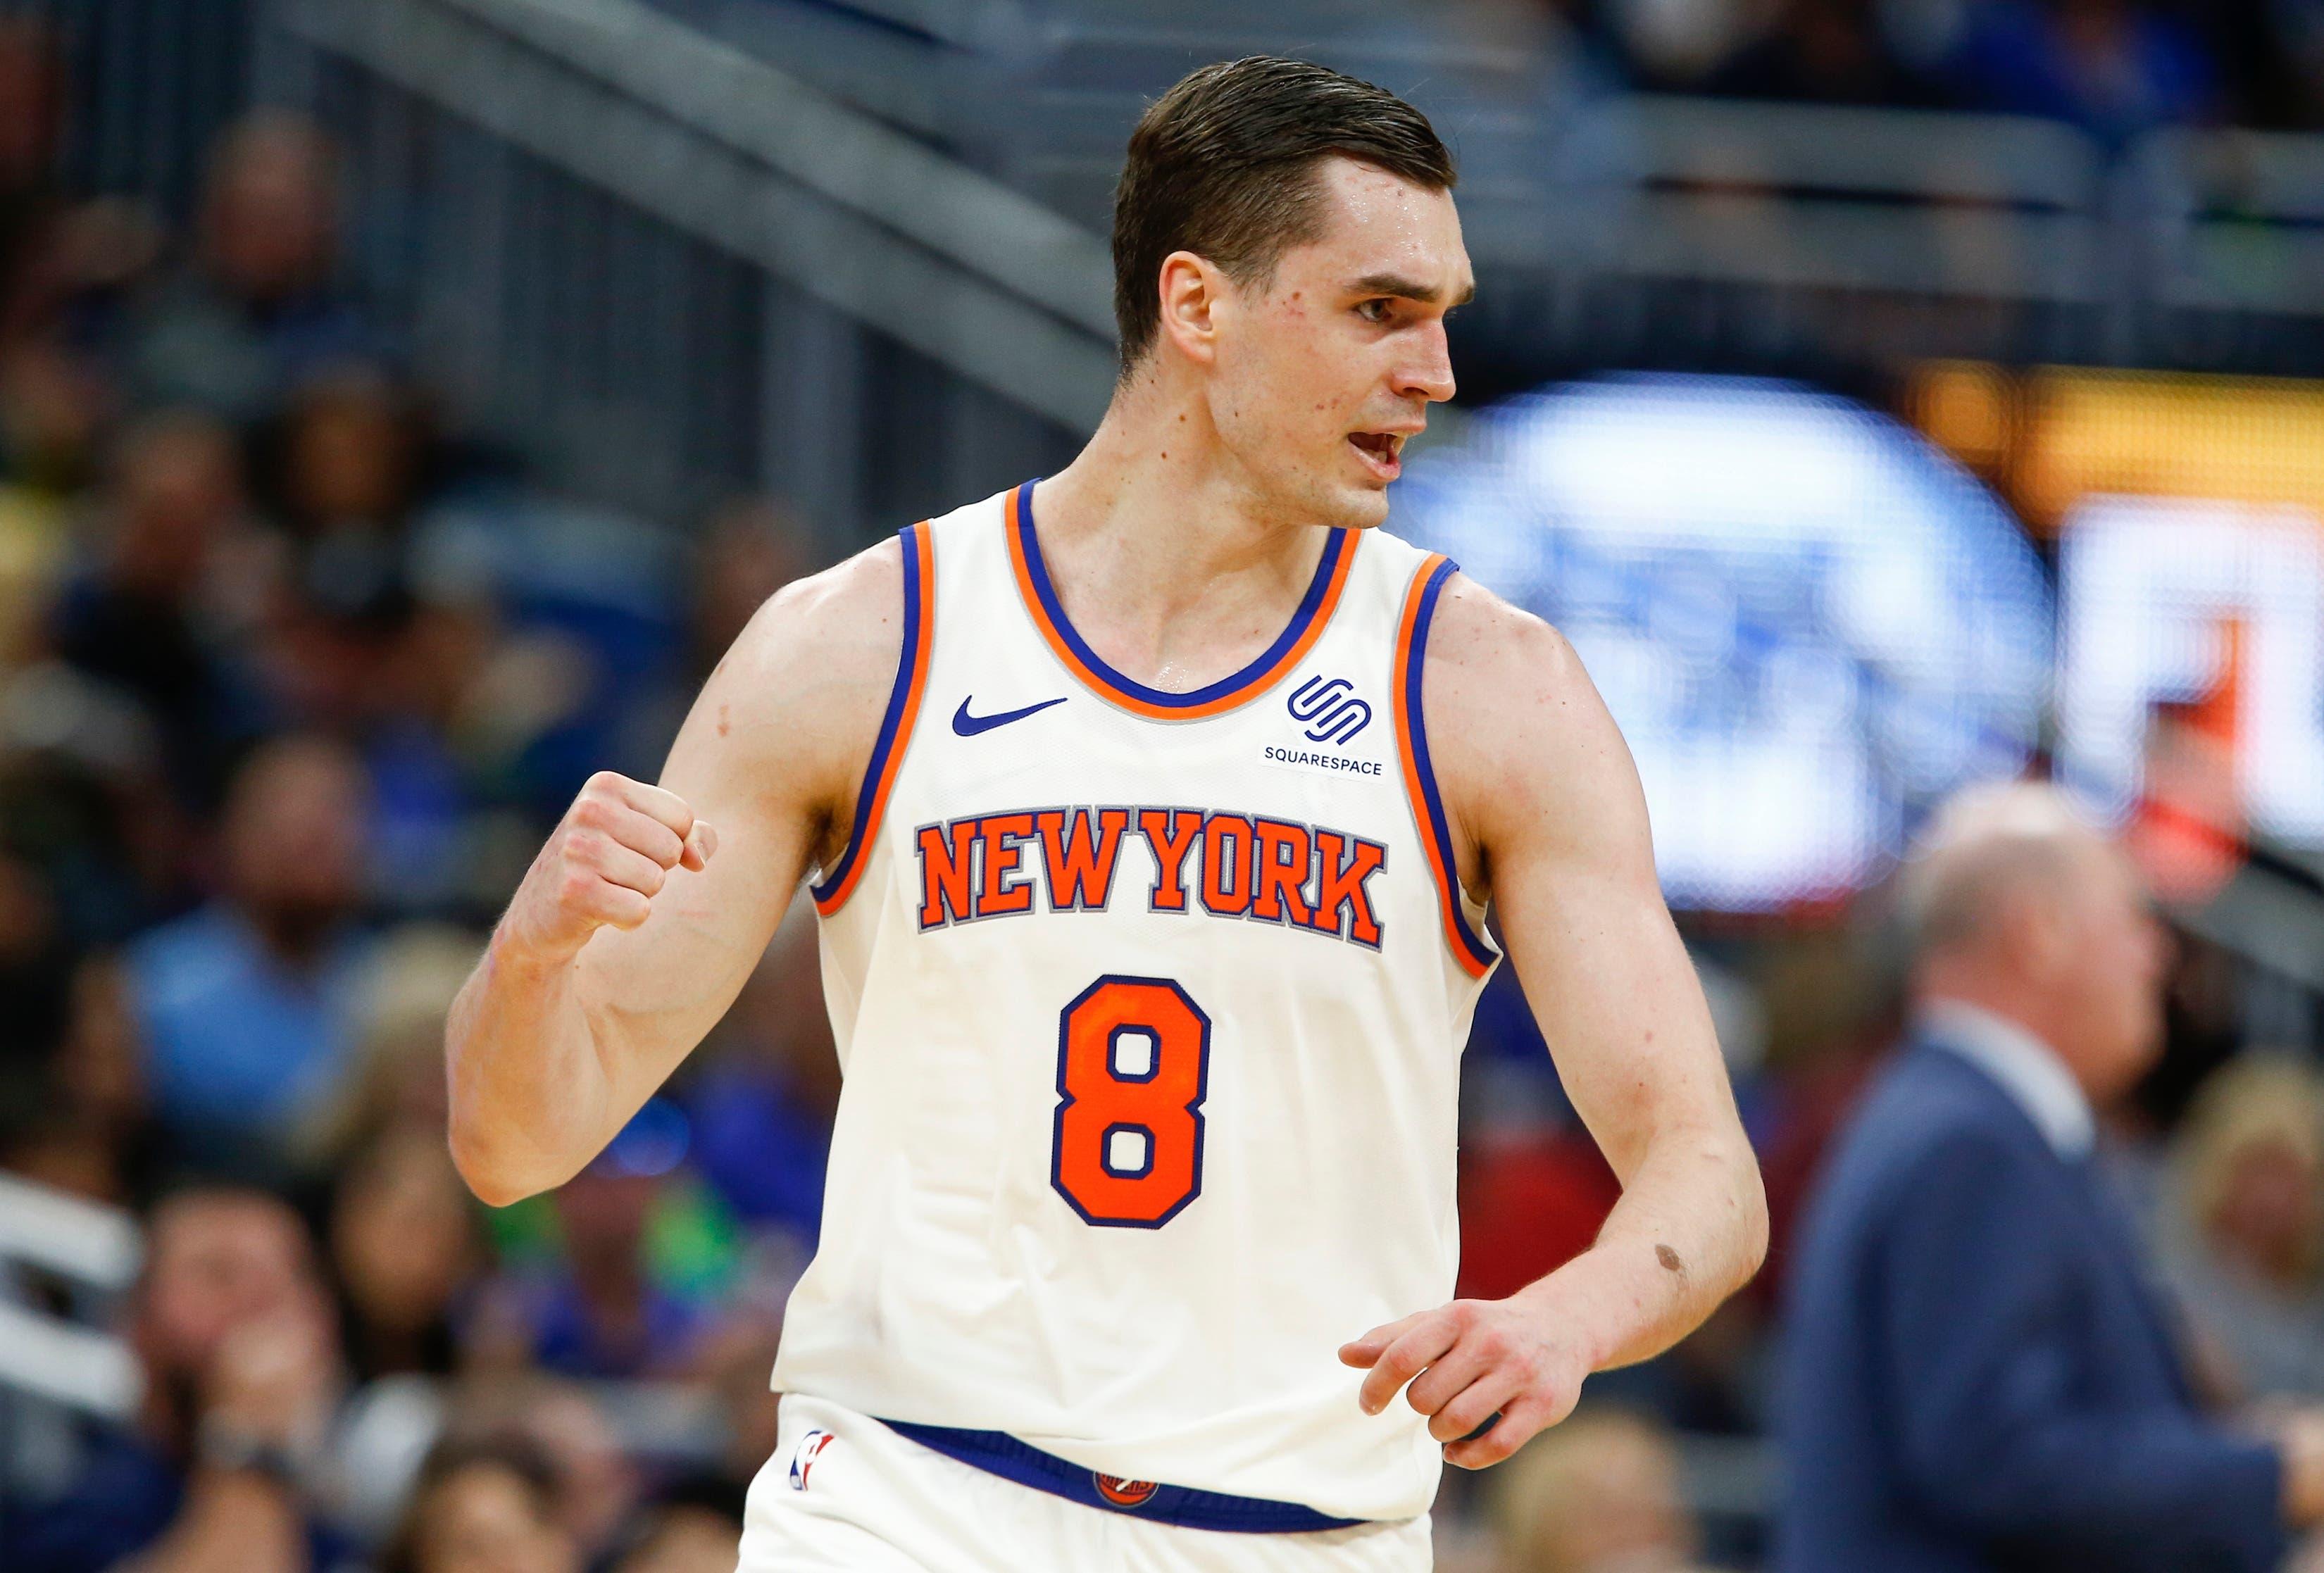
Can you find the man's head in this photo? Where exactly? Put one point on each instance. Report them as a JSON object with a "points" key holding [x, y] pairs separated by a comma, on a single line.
{"points": [[1285, 247], [269, 216], [293, 827], [177, 483], [2018, 906], [217, 1259]]}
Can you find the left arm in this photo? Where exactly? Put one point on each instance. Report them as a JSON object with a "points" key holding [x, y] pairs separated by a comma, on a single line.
{"points": [[1549, 820]]}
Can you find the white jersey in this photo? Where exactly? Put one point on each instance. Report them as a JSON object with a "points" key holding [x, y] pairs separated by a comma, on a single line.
{"points": [[1150, 1008]]}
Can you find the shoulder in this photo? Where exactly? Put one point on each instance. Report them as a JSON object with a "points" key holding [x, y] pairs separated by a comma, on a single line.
{"points": [[791, 711], [1929, 1129], [1484, 652], [850, 617], [1520, 742]]}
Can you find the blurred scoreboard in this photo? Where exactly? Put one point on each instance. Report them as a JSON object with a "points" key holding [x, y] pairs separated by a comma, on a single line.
{"points": [[2188, 514], [1813, 621], [1808, 622]]}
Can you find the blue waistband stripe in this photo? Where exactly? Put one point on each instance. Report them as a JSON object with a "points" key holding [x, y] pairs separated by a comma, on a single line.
{"points": [[997, 1453]]}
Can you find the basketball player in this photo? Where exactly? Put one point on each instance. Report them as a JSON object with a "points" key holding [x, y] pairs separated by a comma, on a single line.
{"points": [[1152, 810]]}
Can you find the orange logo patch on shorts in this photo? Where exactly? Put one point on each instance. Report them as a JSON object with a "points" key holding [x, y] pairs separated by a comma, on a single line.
{"points": [[1123, 1493]]}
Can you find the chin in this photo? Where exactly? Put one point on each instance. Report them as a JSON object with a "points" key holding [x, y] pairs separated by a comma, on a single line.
{"points": [[1360, 508]]}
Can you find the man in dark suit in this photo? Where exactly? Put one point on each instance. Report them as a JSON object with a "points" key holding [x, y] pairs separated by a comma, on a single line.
{"points": [[1978, 1374]]}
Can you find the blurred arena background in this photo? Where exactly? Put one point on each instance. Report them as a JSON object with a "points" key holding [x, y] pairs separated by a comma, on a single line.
{"points": [[403, 401]]}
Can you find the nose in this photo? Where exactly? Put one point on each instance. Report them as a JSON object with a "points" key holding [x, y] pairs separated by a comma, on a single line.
{"points": [[1428, 372]]}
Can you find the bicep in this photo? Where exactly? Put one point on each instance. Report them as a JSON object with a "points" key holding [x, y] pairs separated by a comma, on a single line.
{"points": [[766, 757], [1560, 822]]}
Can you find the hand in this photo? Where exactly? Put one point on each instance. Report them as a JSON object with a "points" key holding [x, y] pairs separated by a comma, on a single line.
{"points": [[1466, 1362], [273, 1378], [2299, 1435], [606, 861]]}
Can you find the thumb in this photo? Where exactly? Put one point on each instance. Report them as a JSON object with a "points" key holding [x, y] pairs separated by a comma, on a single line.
{"points": [[700, 843]]}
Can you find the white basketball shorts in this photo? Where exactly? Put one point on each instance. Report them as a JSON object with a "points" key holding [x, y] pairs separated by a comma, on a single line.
{"points": [[843, 1494]]}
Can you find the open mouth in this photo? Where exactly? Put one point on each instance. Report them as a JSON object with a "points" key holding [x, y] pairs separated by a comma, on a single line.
{"points": [[1382, 451]]}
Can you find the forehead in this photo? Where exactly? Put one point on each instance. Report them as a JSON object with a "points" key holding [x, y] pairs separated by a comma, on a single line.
{"points": [[214, 1233], [1374, 222]]}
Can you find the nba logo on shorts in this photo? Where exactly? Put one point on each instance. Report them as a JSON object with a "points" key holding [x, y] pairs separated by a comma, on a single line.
{"points": [[810, 1448], [1122, 1493]]}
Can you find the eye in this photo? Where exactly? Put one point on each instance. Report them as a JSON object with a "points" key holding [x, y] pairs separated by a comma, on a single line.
{"points": [[1378, 309]]}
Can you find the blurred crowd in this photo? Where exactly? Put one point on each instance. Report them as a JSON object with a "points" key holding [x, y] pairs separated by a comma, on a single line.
{"points": [[293, 680], [2115, 67], [294, 675]]}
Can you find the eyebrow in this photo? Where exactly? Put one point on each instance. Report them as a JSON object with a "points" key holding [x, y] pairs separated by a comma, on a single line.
{"points": [[1399, 285]]}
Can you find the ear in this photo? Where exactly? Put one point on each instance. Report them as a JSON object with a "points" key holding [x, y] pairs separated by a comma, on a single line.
{"points": [[2038, 929], [1193, 294]]}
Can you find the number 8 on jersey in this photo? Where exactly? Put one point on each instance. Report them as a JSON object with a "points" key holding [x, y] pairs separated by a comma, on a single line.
{"points": [[1133, 1064]]}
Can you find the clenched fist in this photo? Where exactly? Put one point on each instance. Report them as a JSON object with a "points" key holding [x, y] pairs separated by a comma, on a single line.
{"points": [[607, 860]]}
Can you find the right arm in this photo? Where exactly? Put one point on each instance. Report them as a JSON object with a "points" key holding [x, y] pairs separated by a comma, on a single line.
{"points": [[649, 906]]}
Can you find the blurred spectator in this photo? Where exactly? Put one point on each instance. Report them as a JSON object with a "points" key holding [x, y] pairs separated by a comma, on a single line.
{"points": [[403, 1243], [89, 1129], [1597, 1494], [598, 1310], [1978, 1374], [241, 1378], [260, 310], [144, 615], [245, 1004], [2244, 1233], [30, 109], [751, 551], [2114, 68], [1826, 51], [35, 973], [394, 1078], [1677, 44], [342, 478], [693, 1527], [52, 407], [597, 1485], [482, 1507], [763, 1094]]}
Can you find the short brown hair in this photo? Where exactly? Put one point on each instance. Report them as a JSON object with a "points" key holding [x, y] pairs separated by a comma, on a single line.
{"points": [[1223, 165]]}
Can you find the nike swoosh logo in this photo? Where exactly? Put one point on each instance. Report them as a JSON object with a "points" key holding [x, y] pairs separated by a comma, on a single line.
{"points": [[968, 725]]}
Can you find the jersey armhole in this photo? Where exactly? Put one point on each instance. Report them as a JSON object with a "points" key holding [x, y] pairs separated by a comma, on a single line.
{"points": [[1470, 948], [896, 724]]}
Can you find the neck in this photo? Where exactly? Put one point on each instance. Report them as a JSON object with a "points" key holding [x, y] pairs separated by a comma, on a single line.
{"points": [[1169, 557], [2021, 1008]]}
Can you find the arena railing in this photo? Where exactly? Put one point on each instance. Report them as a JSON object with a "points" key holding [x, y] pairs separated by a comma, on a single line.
{"points": [[92, 1252]]}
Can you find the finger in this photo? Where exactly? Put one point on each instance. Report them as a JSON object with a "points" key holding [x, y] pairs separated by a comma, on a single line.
{"points": [[649, 837], [1470, 1408], [1518, 1424], [700, 843], [618, 907], [1403, 1360], [618, 865], [1364, 1350], [1462, 1364], [657, 803]]}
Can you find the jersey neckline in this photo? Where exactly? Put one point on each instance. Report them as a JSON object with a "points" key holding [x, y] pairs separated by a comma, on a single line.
{"points": [[1290, 647]]}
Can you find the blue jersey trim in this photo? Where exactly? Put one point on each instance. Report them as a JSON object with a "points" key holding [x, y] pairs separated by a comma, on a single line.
{"points": [[1439, 832], [868, 797], [1336, 544], [999, 1453]]}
